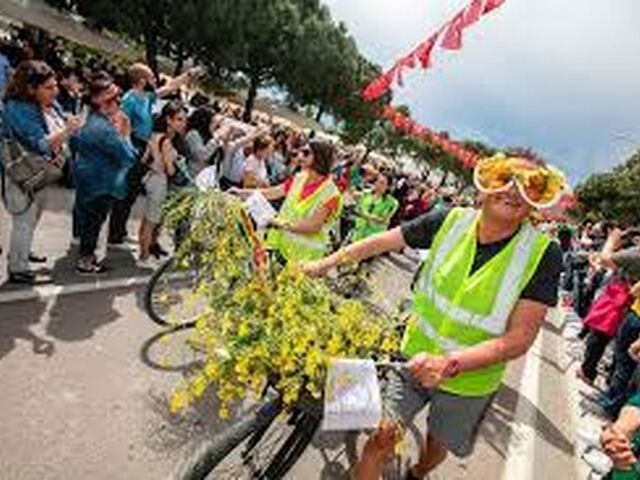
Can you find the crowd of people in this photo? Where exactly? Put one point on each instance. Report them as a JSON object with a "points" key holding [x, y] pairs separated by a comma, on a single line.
{"points": [[601, 285], [114, 139], [117, 138]]}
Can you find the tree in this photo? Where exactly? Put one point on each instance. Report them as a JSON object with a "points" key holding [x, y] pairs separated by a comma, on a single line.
{"points": [[613, 195]]}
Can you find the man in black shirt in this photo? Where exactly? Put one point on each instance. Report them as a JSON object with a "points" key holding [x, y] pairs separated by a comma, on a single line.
{"points": [[481, 298]]}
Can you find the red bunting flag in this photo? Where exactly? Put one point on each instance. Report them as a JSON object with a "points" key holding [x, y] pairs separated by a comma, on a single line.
{"points": [[423, 52], [452, 39], [492, 5], [379, 86], [473, 12]]}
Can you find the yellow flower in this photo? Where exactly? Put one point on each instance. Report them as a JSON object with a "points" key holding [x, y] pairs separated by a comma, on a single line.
{"points": [[244, 330], [179, 401]]}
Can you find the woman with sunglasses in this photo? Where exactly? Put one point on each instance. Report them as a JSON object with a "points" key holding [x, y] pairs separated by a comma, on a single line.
{"points": [[104, 156], [311, 208], [32, 118], [479, 302]]}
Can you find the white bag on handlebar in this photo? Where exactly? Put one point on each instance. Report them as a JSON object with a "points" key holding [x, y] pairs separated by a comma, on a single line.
{"points": [[260, 209], [352, 396]]}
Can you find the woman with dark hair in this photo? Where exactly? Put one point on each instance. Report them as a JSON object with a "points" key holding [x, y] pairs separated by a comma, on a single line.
{"points": [[311, 207], [165, 161], [104, 156], [33, 119], [201, 142], [255, 167]]}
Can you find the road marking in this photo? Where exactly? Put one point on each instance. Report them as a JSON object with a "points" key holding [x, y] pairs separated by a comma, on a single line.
{"points": [[521, 453], [48, 291]]}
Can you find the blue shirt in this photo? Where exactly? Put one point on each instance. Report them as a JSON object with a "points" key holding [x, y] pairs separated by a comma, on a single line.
{"points": [[103, 159], [138, 106], [25, 122], [5, 69]]}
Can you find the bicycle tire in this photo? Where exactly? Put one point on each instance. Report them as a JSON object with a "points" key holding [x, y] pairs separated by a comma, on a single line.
{"points": [[155, 283], [206, 456]]}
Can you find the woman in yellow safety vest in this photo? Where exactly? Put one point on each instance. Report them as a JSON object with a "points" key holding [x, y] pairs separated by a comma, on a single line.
{"points": [[311, 207]]}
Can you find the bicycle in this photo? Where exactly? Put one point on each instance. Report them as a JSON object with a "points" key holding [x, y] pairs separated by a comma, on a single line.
{"points": [[169, 298], [262, 445]]}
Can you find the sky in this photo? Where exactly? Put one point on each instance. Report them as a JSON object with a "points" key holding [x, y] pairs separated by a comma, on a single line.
{"points": [[559, 76]]}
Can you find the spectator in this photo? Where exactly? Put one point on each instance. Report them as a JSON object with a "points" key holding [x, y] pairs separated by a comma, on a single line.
{"points": [[277, 162], [606, 313], [162, 158], [255, 169], [236, 142], [104, 157], [5, 71], [70, 96], [626, 262], [621, 440], [32, 117], [201, 141], [374, 210], [138, 104]]}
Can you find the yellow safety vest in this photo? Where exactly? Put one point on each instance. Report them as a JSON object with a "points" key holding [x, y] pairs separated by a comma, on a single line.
{"points": [[312, 246], [456, 310]]}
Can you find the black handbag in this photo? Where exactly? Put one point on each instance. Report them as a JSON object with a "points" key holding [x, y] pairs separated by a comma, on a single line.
{"points": [[29, 171]]}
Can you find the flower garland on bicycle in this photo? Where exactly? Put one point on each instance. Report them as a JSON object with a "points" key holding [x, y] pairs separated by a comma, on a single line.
{"points": [[481, 296]]}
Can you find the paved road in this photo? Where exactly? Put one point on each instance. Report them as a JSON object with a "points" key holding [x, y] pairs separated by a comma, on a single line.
{"points": [[84, 396]]}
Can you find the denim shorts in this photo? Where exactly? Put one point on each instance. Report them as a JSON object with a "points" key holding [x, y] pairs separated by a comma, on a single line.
{"points": [[453, 420]]}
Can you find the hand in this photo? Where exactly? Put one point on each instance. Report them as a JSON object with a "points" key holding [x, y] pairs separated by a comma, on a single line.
{"points": [[279, 223], [122, 124], [73, 124], [634, 350], [381, 444], [618, 448], [196, 72], [314, 269], [429, 370]]}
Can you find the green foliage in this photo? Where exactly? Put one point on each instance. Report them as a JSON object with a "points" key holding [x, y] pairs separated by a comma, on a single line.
{"points": [[614, 195]]}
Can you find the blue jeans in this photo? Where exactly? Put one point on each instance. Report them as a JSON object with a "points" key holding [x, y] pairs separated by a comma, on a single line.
{"points": [[624, 366]]}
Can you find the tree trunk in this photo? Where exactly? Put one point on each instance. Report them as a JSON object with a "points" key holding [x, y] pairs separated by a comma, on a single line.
{"points": [[180, 57], [251, 98], [151, 51]]}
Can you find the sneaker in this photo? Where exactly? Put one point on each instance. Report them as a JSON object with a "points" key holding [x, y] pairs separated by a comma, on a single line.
{"points": [[127, 243], [84, 267], [148, 263], [33, 258], [22, 278]]}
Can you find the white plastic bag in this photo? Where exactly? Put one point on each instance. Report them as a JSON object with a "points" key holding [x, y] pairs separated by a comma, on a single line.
{"points": [[352, 396]]}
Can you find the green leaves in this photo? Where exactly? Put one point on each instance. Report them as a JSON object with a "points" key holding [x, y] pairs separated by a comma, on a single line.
{"points": [[614, 195]]}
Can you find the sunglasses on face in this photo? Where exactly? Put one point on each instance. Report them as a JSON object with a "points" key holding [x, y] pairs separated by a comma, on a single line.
{"points": [[539, 186]]}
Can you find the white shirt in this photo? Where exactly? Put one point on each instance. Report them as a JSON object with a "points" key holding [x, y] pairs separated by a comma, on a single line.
{"points": [[257, 168]]}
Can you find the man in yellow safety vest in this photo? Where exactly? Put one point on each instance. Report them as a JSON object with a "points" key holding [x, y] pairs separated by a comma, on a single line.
{"points": [[480, 299]]}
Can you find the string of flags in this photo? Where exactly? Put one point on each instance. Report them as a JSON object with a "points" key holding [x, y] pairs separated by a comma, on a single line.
{"points": [[449, 37]]}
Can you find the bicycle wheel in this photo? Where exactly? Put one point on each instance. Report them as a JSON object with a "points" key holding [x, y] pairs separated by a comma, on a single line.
{"points": [[259, 446], [170, 298]]}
